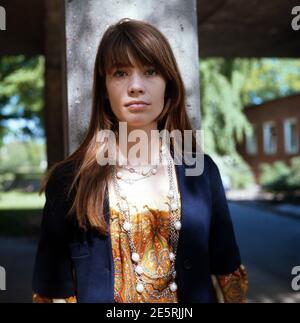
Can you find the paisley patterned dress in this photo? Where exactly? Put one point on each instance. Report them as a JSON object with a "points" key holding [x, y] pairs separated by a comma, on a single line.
{"points": [[150, 221]]}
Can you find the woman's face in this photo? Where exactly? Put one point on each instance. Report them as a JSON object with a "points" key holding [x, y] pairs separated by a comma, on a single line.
{"points": [[136, 95]]}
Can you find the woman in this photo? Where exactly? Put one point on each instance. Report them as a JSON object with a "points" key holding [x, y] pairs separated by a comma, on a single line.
{"points": [[143, 231]]}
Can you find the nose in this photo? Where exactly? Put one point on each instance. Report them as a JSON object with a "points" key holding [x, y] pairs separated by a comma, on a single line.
{"points": [[136, 84]]}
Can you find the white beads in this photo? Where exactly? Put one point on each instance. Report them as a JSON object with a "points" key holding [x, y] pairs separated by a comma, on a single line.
{"points": [[172, 256], [177, 225], [153, 171], [173, 287], [139, 269], [139, 287], [174, 206], [122, 195], [124, 206], [144, 172], [170, 194], [135, 257], [163, 148], [119, 175], [126, 226]]}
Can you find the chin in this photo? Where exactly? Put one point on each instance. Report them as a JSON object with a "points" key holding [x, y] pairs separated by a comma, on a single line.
{"points": [[136, 124], [137, 121]]}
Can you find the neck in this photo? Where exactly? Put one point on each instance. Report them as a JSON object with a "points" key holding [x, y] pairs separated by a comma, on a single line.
{"points": [[144, 149]]}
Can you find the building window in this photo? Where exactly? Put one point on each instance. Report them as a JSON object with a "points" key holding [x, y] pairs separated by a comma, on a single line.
{"points": [[290, 136], [270, 138], [251, 142]]}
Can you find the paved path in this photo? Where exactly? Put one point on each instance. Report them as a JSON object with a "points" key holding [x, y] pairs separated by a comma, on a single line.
{"points": [[17, 257], [269, 246]]}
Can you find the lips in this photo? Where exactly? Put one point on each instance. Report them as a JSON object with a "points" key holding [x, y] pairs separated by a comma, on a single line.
{"points": [[136, 104]]}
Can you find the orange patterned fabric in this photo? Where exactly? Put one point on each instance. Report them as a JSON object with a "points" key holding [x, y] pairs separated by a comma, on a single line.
{"points": [[150, 218], [36, 298], [150, 236], [150, 227], [234, 286]]}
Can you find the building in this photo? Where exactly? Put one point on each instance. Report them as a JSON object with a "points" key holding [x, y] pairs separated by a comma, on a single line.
{"points": [[225, 28], [276, 134]]}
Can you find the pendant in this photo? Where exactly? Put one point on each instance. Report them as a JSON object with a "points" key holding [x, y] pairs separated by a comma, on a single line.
{"points": [[140, 287], [171, 256], [126, 226], [119, 175], [139, 269], [173, 206], [135, 257], [177, 225], [173, 287]]}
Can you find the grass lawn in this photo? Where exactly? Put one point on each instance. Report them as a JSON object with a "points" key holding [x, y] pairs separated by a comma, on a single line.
{"points": [[21, 200], [20, 213]]}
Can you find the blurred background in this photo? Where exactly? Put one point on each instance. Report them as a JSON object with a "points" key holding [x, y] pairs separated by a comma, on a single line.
{"points": [[249, 71]]}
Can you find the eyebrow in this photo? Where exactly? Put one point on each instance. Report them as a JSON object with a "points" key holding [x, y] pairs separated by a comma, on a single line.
{"points": [[114, 67]]}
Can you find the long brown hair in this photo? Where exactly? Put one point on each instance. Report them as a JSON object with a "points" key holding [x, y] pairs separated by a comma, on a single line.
{"points": [[122, 44]]}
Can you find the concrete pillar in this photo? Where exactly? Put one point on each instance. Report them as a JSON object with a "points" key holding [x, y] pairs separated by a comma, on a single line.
{"points": [[55, 108], [86, 22]]}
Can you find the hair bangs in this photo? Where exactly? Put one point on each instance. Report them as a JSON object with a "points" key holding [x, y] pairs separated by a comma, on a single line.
{"points": [[126, 50]]}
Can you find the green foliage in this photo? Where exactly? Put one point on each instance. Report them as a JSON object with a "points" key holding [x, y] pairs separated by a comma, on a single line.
{"points": [[281, 178], [22, 157], [269, 78], [21, 91], [294, 176], [227, 85], [236, 169], [21, 165], [222, 118], [271, 172], [17, 200]]}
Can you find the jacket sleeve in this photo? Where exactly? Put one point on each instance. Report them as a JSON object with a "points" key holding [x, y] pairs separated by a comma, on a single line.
{"points": [[224, 252], [52, 275], [233, 287]]}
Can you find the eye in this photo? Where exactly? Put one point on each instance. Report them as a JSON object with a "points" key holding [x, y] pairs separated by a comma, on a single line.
{"points": [[151, 71], [119, 73]]}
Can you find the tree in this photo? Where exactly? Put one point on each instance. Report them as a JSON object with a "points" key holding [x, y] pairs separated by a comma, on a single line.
{"points": [[222, 111], [228, 85], [269, 78], [21, 92]]}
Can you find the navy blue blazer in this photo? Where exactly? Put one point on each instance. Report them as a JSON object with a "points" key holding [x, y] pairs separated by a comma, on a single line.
{"points": [[72, 262]]}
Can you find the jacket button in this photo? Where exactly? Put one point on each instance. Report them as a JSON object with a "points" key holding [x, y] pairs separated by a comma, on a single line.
{"points": [[187, 264]]}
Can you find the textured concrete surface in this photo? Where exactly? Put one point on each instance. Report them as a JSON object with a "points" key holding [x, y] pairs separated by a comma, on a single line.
{"points": [[86, 22]]}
